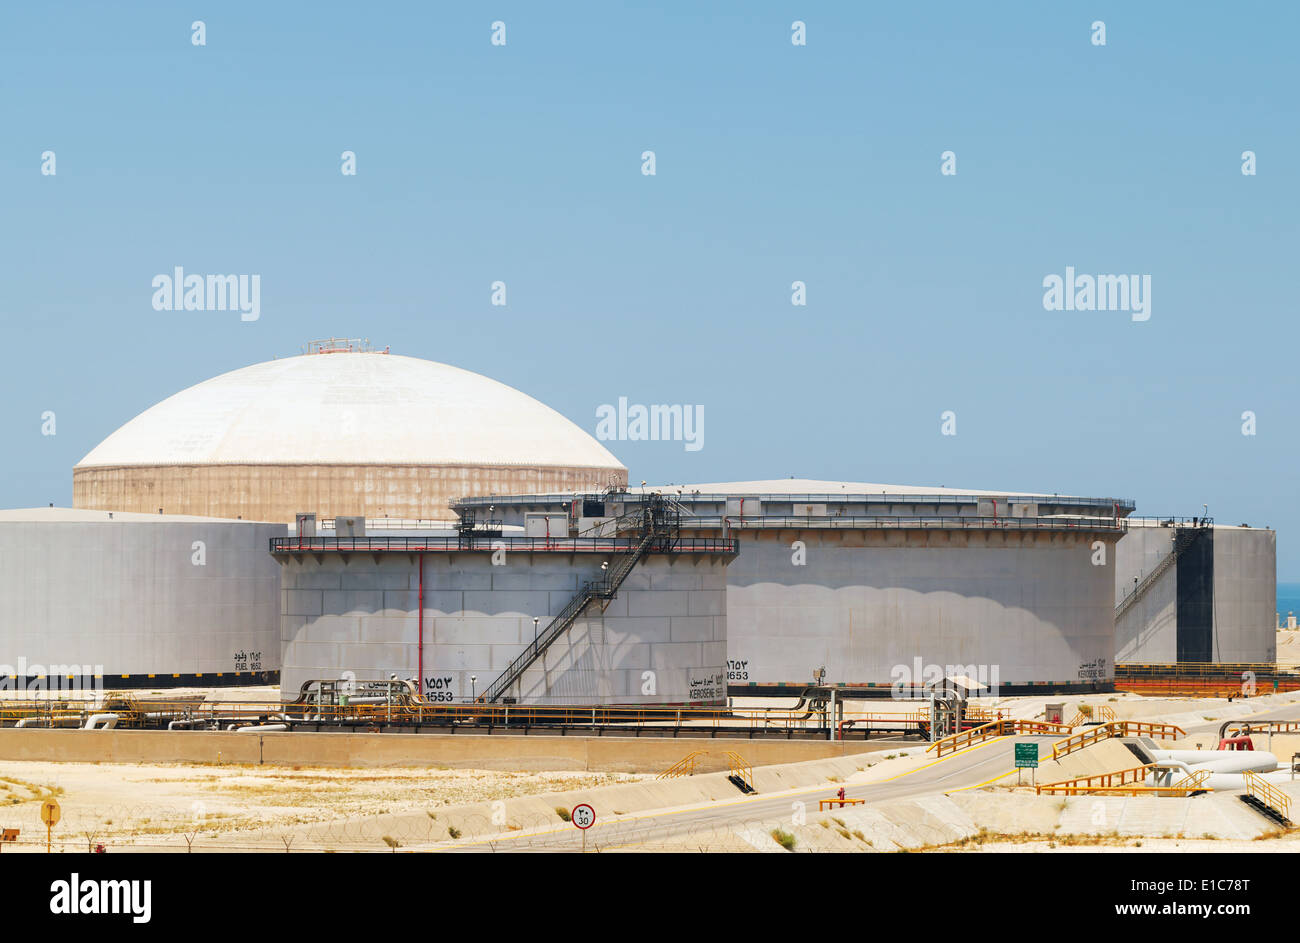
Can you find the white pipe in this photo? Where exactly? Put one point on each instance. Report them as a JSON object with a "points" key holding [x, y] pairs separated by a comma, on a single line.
{"points": [[263, 727], [33, 722], [185, 724], [108, 720], [1222, 761], [1171, 765]]}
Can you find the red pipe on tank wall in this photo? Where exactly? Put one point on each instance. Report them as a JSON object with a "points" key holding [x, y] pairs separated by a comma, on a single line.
{"points": [[420, 683]]}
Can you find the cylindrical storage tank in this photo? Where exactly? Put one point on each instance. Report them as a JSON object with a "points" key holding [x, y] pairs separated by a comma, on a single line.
{"points": [[91, 598], [884, 607], [339, 433], [662, 639]]}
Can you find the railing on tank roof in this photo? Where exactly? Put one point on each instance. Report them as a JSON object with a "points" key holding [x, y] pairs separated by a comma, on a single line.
{"points": [[529, 544], [1165, 521], [886, 522], [342, 345], [1124, 504], [395, 523]]}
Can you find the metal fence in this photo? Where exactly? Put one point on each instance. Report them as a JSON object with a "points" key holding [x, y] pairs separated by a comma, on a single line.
{"points": [[941, 522], [527, 544]]}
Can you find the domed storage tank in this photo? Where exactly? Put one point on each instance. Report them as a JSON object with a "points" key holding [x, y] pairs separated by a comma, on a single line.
{"points": [[339, 431]]}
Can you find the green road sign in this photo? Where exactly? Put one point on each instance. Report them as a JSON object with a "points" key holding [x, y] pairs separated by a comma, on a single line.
{"points": [[1026, 756]]}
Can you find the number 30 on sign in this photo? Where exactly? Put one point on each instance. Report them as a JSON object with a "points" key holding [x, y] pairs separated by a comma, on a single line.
{"points": [[583, 816]]}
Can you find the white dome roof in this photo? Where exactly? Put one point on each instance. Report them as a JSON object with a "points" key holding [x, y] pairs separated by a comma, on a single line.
{"points": [[350, 409]]}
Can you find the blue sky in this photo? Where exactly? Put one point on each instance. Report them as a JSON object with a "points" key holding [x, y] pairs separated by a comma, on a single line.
{"points": [[775, 163]]}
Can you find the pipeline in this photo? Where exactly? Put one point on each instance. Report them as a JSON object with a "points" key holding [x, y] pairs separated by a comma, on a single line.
{"points": [[1220, 761], [108, 720], [34, 722], [420, 603], [163, 715], [261, 728]]}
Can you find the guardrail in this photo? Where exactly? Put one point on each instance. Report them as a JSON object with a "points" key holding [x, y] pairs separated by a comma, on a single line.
{"points": [[1133, 775], [1171, 521], [624, 497], [521, 544], [1198, 669], [740, 769], [998, 728], [1205, 689], [1115, 728], [1268, 794], [915, 522], [1195, 780], [960, 741], [1125, 782], [683, 767], [137, 713], [824, 804], [1080, 718], [1258, 727]]}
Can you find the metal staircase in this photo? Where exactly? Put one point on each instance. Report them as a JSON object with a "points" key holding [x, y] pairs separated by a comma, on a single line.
{"points": [[1267, 800], [1184, 537], [660, 524]]}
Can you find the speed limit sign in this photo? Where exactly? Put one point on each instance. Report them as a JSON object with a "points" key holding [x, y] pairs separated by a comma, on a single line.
{"points": [[583, 816]]}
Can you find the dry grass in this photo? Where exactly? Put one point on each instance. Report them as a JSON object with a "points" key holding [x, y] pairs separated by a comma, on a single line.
{"points": [[1051, 839]]}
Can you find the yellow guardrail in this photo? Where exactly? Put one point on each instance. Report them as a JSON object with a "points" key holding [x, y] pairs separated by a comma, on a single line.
{"points": [[1195, 668], [998, 728], [1133, 776], [959, 741], [683, 767], [824, 804], [1080, 718], [739, 767], [1194, 780], [1115, 728], [1267, 793], [133, 713], [1125, 782]]}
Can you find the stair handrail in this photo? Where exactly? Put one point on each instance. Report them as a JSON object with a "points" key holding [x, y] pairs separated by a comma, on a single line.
{"points": [[740, 768], [1267, 793], [657, 526], [683, 767], [1184, 537]]}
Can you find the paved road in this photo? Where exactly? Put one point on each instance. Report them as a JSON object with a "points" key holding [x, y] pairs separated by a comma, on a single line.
{"points": [[974, 767]]}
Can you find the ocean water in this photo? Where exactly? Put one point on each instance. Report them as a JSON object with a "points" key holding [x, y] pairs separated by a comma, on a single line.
{"points": [[1288, 600]]}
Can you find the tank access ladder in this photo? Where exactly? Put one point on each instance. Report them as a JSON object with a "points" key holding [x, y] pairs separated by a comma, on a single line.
{"points": [[1184, 537], [660, 525]]}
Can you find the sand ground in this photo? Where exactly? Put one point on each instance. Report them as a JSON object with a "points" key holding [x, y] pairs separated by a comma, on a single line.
{"points": [[231, 807]]}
